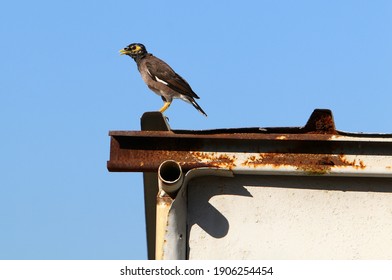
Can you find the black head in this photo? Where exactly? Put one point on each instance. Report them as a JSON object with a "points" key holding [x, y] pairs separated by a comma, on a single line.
{"points": [[134, 50]]}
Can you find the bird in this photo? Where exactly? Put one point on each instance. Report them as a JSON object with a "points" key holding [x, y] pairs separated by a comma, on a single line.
{"points": [[161, 78]]}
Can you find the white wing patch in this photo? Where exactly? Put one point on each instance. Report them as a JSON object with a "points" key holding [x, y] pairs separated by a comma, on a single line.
{"points": [[161, 81]]}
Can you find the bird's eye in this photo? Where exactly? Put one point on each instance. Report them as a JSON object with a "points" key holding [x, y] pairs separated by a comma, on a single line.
{"points": [[133, 48]]}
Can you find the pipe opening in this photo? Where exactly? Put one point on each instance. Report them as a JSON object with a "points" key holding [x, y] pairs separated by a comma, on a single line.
{"points": [[170, 171], [170, 176]]}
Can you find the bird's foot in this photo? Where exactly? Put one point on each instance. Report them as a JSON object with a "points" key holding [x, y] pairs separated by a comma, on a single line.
{"points": [[164, 107]]}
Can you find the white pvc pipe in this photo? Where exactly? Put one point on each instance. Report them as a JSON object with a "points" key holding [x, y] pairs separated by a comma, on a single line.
{"points": [[170, 176]]}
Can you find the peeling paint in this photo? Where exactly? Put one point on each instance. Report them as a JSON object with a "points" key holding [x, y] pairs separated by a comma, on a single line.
{"points": [[216, 159], [310, 163], [356, 163]]}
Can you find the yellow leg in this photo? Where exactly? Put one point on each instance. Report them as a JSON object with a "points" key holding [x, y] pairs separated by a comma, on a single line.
{"points": [[164, 107]]}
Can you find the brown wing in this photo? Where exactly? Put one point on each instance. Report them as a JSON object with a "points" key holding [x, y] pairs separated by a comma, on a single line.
{"points": [[160, 71]]}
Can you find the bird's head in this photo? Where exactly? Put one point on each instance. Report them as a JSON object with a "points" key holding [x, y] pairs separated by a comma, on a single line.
{"points": [[134, 50]]}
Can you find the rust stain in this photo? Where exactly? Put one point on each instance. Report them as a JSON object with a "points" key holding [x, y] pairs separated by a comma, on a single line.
{"points": [[216, 159], [310, 163], [357, 164], [325, 125], [321, 122], [164, 199]]}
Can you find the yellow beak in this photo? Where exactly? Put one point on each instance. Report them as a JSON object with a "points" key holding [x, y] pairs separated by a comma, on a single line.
{"points": [[122, 52]]}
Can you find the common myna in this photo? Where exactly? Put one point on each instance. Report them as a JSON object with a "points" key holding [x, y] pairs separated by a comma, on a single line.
{"points": [[161, 78]]}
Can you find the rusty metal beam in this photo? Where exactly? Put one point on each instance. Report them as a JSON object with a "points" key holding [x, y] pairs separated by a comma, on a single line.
{"points": [[316, 148]]}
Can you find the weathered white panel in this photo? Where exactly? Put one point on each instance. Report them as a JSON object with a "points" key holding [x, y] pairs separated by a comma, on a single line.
{"points": [[290, 217]]}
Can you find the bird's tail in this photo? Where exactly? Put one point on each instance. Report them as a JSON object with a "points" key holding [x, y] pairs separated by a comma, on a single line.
{"points": [[197, 106]]}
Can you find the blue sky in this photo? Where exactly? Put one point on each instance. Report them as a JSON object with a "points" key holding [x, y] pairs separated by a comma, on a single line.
{"points": [[63, 86]]}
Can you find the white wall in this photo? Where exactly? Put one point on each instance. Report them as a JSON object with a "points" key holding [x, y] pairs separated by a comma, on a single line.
{"points": [[290, 217]]}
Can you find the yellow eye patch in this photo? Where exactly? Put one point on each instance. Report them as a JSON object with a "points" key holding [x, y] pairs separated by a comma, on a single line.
{"points": [[136, 48]]}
